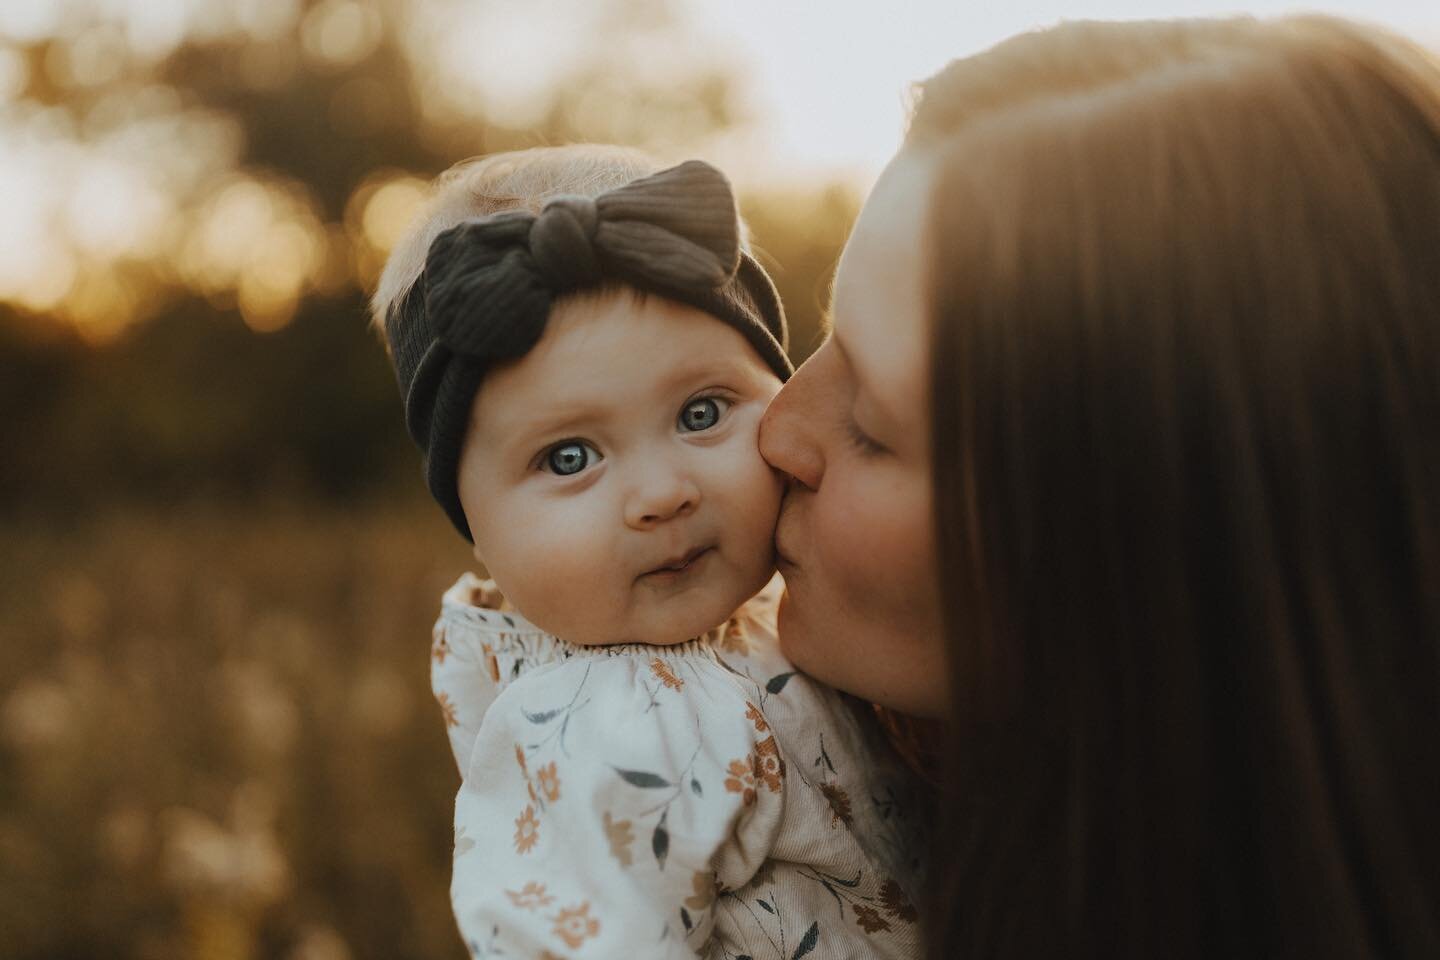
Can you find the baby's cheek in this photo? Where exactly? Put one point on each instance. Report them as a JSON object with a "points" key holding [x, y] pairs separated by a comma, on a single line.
{"points": [[560, 575], [752, 493]]}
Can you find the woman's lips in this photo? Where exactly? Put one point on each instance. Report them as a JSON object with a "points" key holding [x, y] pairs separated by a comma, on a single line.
{"points": [[782, 556], [784, 523]]}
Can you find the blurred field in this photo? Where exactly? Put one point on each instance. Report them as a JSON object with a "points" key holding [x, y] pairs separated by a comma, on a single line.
{"points": [[216, 735]]}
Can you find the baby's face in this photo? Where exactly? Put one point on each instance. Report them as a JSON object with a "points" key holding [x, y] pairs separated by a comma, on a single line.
{"points": [[611, 476]]}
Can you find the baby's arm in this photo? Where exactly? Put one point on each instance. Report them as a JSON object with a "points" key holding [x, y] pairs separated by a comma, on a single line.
{"points": [[604, 798]]}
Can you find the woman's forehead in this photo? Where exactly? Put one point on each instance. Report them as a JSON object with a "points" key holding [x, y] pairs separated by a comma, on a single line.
{"points": [[879, 309]]}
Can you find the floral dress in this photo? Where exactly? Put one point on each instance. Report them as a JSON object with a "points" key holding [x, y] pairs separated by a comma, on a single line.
{"points": [[635, 801]]}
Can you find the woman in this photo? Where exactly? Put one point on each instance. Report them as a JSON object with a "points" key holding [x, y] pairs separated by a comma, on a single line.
{"points": [[1167, 557]]}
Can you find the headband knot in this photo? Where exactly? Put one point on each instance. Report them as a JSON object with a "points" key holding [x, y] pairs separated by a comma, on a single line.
{"points": [[562, 241]]}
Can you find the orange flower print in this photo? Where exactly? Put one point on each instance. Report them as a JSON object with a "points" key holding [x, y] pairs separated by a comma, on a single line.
{"points": [[527, 831], [486, 595], [742, 779], [665, 674], [547, 955], [520, 759], [893, 899], [574, 925], [869, 919], [704, 895], [447, 709], [839, 803], [734, 638], [439, 648], [491, 664], [752, 712], [620, 835], [549, 782], [530, 897], [769, 768]]}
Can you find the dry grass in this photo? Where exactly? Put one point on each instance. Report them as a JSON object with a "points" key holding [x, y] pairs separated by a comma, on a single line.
{"points": [[217, 738]]}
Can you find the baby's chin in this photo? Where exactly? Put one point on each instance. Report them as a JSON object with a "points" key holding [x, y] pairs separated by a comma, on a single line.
{"points": [[707, 617], [667, 631], [662, 624]]}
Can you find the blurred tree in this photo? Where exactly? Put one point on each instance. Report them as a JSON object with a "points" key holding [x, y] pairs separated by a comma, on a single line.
{"points": [[283, 147]]}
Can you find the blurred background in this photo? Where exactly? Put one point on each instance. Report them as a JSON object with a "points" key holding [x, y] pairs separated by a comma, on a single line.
{"points": [[218, 563]]}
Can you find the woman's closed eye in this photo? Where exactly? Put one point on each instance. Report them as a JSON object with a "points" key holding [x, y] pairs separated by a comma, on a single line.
{"points": [[702, 413], [866, 444], [569, 457]]}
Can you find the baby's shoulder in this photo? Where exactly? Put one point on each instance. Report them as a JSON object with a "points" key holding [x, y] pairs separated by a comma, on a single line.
{"points": [[477, 626]]}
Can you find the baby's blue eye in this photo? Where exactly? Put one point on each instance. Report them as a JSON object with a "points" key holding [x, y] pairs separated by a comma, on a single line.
{"points": [[701, 414], [570, 458]]}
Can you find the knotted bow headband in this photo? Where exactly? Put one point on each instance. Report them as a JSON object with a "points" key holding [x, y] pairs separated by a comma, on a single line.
{"points": [[488, 285]]}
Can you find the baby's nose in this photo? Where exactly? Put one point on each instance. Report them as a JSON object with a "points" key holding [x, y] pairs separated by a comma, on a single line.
{"points": [[661, 495]]}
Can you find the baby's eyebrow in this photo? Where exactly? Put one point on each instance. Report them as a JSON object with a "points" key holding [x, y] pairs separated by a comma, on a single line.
{"points": [[567, 418], [559, 416], [709, 369]]}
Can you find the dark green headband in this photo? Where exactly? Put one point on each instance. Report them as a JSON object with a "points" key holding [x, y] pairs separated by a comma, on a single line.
{"points": [[488, 285]]}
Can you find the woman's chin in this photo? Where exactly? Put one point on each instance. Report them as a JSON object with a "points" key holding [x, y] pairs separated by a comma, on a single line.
{"points": [[791, 627]]}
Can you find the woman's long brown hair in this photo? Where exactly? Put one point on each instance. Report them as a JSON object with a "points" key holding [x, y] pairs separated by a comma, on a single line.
{"points": [[1186, 396]]}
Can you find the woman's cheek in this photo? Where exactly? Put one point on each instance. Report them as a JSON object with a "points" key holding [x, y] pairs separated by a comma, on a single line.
{"points": [[880, 538], [856, 534]]}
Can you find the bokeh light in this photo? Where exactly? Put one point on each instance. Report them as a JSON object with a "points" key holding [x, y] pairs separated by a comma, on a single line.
{"points": [[338, 33], [377, 214]]}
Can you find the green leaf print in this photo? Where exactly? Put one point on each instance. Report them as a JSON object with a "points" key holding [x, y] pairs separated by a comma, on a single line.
{"points": [[640, 778], [777, 682], [808, 942], [660, 841]]}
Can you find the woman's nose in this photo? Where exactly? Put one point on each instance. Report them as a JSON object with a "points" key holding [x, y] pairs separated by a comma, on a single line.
{"points": [[661, 493], [789, 435]]}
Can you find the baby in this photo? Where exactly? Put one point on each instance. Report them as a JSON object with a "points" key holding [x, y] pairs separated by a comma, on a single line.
{"points": [[585, 349]]}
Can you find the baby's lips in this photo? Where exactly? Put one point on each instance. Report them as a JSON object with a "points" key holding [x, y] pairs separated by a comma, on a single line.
{"points": [[678, 561]]}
